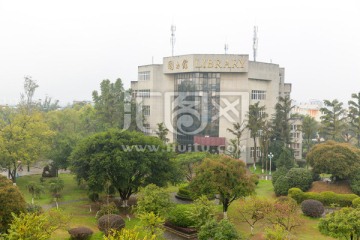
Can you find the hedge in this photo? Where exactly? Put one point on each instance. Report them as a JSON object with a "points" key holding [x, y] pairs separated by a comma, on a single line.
{"points": [[327, 198]]}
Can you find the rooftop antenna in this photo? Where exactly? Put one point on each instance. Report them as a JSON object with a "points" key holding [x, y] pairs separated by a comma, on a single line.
{"points": [[172, 39], [226, 47], [255, 42]]}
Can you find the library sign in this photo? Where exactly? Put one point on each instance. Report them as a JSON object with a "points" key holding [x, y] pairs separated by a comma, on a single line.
{"points": [[206, 63]]}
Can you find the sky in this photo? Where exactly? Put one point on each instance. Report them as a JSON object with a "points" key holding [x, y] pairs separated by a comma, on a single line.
{"points": [[69, 47]]}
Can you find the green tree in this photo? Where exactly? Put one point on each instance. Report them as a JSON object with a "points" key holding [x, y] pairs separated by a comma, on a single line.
{"points": [[342, 224], [281, 120], [162, 132], [152, 224], [333, 119], [128, 234], [309, 130], [23, 138], [109, 104], [11, 201], [224, 176], [35, 189], [286, 159], [237, 131], [256, 121], [265, 137], [127, 160], [203, 211], [48, 105], [55, 187], [188, 161], [339, 159], [153, 199], [354, 115]]}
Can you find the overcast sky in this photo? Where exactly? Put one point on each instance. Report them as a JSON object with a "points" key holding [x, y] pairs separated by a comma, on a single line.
{"points": [[69, 47]]}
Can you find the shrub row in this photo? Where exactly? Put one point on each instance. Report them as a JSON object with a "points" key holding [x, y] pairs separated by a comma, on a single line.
{"points": [[327, 198]]}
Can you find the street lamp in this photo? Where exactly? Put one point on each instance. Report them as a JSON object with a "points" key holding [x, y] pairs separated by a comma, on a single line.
{"points": [[270, 155]]}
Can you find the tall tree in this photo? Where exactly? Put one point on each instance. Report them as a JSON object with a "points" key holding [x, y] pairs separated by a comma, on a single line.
{"points": [[237, 131], [281, 120], [27, 102], [333, 119], [309, 130], [109, 104], [224, 176], [162, 132], [255, 123], [23, 139], [354, 115], [123, 159], [265, 137]]}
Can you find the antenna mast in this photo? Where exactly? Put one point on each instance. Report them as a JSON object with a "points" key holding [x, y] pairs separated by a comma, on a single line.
{"points": [[255, 42], [226, 48], [172, 39]]}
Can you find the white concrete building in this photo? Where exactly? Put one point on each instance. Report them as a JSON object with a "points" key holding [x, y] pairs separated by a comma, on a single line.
{"points": [[204, 94]]}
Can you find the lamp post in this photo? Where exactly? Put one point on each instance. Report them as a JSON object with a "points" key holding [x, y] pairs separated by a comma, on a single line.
{"points": [[270, 155]]}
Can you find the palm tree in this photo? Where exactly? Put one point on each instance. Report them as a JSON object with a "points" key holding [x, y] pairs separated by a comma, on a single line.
{"points": [[354, 115], [162, 132], [237, 131]]}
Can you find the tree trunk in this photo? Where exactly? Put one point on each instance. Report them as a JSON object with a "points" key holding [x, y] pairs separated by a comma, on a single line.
{"points": [[225, 207], [255, 153]]}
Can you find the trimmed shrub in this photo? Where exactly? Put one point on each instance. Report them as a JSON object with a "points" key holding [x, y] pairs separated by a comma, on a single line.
{"points": [[300, 178], [282, 171], [356, 203], [223, 230], [281, 186], [179, 215], [327, 198], [110, 221], [312, 208], [184, 193], [80, 233], [107, 209]]}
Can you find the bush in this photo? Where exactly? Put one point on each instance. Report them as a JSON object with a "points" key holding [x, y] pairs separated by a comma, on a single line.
{"points": [[107, 209], [356, 203], [33, 208], [184, 193], [255, 178], [203, 211], [179, 215], [312, 208], [355, 186], [110, 221], [94, 197], [281, 186], [282, 171], [327, 198], [80, 233], [300, 178], [153, 199], [223, 230]]}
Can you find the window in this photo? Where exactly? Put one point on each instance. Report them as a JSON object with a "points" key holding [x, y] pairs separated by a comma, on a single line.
{"points": [[144, 76], [146, 110], [145, 93], [296, 153], [147, 129], [258, 153], [258, 95]]}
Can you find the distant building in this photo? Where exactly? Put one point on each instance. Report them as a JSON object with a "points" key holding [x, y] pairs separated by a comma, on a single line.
{"points": [[200, 96], [311, 108]]}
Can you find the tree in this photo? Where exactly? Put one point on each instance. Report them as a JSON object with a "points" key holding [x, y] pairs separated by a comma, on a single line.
{"points": [[333, 119], [309, 129], [162, 132], [281, 120], [253, 210], [354, 115], [342, 224], [23, 138], [224, 176], [109, 104], [11, 201], [339, 159], [55, 187], [34, 226], [237, 131], [153, 199], [285, 214], [188, 161], [126, 160], [203, 211], [35, 189], [26, 102], [152, 224], [286, 159], [48, 105], [255, 123], [265, 137]]}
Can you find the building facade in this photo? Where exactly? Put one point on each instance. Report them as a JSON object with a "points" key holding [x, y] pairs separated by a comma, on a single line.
{"points": [[202, 95]]}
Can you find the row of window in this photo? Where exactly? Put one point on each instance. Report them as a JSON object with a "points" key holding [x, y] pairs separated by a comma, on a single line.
{"points": [[144, 93]]}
